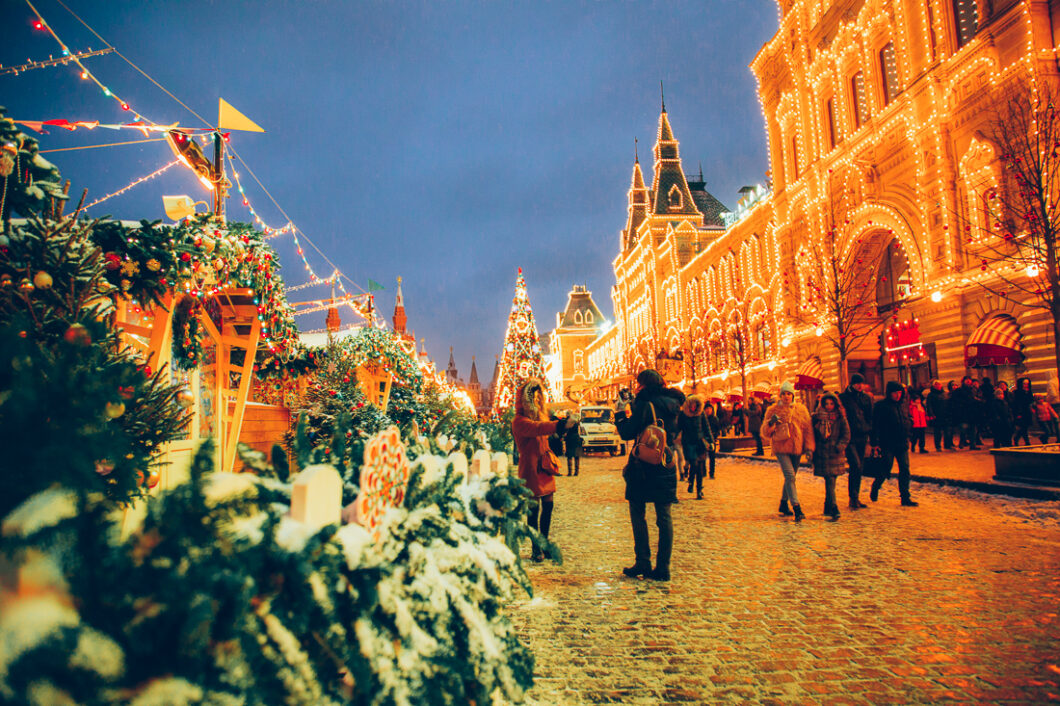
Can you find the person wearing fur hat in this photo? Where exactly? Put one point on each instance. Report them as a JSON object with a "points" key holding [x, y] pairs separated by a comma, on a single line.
{"points": [[831, 434], [787, 426], [531, 428], [695, 439], [891, 430], [654, 402]]}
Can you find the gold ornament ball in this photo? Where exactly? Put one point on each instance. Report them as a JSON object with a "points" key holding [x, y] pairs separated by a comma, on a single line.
{"points": [[42, 280], [153, 265], [185, 398], [153, 476], [115, 409], [25, 286]]}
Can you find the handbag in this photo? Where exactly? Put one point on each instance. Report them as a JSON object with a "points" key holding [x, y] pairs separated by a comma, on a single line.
{"points": [[650, 446], [549, 463]]}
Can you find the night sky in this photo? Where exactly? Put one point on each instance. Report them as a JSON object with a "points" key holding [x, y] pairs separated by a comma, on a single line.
{"points": [[445, 142]]}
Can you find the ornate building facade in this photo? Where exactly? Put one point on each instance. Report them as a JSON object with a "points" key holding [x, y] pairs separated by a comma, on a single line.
{"points": [[877, 118], [580, 322]]}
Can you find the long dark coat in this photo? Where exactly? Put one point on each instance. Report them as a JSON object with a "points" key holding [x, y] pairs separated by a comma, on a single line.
{"points": [[831, 433], [644, 483]]}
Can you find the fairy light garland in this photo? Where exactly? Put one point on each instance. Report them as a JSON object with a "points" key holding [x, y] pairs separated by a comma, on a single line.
{"points": [[63, 60], [139, 181]]}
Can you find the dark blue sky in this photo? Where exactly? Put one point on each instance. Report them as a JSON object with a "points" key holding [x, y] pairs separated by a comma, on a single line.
{"points": [[446, 142]]}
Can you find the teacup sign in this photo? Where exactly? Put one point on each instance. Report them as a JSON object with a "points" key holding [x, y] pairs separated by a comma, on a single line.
{"points": [[384, 479]]}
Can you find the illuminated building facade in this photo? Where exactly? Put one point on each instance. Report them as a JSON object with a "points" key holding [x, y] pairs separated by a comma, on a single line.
{"points": [[877, 114], [580, 322]]}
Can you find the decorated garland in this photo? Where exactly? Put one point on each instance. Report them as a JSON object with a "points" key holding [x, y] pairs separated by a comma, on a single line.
{"points": [[187, 344]]}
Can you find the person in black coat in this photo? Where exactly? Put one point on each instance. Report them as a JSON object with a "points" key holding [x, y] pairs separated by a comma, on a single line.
{"points": [[964, 409], [938, 412], [755, 412], [572, 441], [695, 438], [1001, 419], [651, 484], [1022, 411], [857, 404], [555, 440], [891, 430], [715, 432]]}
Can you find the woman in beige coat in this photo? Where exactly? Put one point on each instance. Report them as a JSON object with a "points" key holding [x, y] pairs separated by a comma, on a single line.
{"points": [[787, 426]]}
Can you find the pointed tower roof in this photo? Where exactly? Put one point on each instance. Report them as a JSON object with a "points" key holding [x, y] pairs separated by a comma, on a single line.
{"points": [[638, 204], [400, 320], [669, 190], [581, 311], [473, 379]]}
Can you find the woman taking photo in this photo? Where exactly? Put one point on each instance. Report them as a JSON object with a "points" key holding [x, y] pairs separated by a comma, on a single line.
{"points": [[787, 426], [537, 465]]}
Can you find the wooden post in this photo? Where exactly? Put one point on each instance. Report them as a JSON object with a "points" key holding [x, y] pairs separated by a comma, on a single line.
{"points": [[247, 372]]}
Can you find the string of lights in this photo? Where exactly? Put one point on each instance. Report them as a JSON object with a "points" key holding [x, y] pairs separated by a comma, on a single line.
{"points": [[51, 61], [86, 74], [139, 181]]}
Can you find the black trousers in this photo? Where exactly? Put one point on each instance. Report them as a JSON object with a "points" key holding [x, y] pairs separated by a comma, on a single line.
{"points": [[856, 460], [919, 438], [574, 463], [540, 518], [889, 456], [713, 456], [641, 541], [758, 443]]}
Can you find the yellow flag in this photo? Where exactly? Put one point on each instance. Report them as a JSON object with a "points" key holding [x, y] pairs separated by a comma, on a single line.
{"points": [[228, 118]]}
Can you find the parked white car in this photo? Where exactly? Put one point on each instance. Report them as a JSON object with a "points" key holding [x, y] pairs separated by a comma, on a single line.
{"points": [[598, 431]]}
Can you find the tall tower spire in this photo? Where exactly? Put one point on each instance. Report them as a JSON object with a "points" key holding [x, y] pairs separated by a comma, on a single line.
{"points": [[400, 320], [662, 96], [669, 190]]}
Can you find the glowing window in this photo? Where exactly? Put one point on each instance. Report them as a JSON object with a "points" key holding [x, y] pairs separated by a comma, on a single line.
{"points": [[889, 72], [577, 317], [579, 361], [675, 197], [966, 16], [860, 100], [588, 317]]}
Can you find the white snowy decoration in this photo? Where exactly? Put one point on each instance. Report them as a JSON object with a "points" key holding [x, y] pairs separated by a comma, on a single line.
{"points": [[481, 464], [459, 463], [500, 463], [221, 487], [27, 622], [45, 509], [98, 653], [316, 496], [384, 478], [172, 691], [445, 443]]}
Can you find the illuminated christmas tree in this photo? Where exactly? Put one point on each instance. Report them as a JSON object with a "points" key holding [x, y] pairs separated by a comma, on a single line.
{"points": [[521, 355]]}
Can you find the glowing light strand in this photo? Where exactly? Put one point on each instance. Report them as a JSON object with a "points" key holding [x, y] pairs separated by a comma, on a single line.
{"points": [[52, 61], [139, 181]]}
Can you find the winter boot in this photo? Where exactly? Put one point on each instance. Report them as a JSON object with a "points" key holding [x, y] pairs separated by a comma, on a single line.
{"points": [[798, 513], [784, 507], [832, 512]]}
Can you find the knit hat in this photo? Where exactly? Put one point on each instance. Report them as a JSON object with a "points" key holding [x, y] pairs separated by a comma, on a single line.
{"points": [[894, 386], [786, 386], [857, 379]]}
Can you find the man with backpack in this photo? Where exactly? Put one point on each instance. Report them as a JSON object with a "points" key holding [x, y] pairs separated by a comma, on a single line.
{"points": [[651, 472]]}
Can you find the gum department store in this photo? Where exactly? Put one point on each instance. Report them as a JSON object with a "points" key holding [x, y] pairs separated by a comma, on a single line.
{"points": [[876, 115]]}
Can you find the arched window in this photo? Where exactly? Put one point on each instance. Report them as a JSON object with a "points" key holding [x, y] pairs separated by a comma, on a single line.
{"points": [[763, 341], [577, 316], [894, 281], [676, 200], [588, 317]]}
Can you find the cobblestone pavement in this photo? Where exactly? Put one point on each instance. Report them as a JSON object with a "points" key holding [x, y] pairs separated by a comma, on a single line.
{"points": [[954, 600]]}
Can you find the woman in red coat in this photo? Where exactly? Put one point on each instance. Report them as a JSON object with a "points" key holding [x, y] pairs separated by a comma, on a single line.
{"points": [[530, 429]]}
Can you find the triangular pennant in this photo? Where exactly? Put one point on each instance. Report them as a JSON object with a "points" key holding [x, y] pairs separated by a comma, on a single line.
{"points": [[228, 118]]}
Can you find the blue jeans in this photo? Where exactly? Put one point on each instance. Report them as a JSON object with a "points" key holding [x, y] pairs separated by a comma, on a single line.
{"points": [[788, 464]]}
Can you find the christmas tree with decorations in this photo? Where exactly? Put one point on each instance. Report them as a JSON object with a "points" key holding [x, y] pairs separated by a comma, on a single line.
{"points": [[521, 356]]}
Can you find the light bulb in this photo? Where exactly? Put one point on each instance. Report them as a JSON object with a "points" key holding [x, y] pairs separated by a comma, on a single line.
{"points": [[936, 296], [1032, 271]]}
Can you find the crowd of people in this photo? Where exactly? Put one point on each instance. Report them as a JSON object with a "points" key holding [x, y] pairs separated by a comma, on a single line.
{"points": [[675, 437]]}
